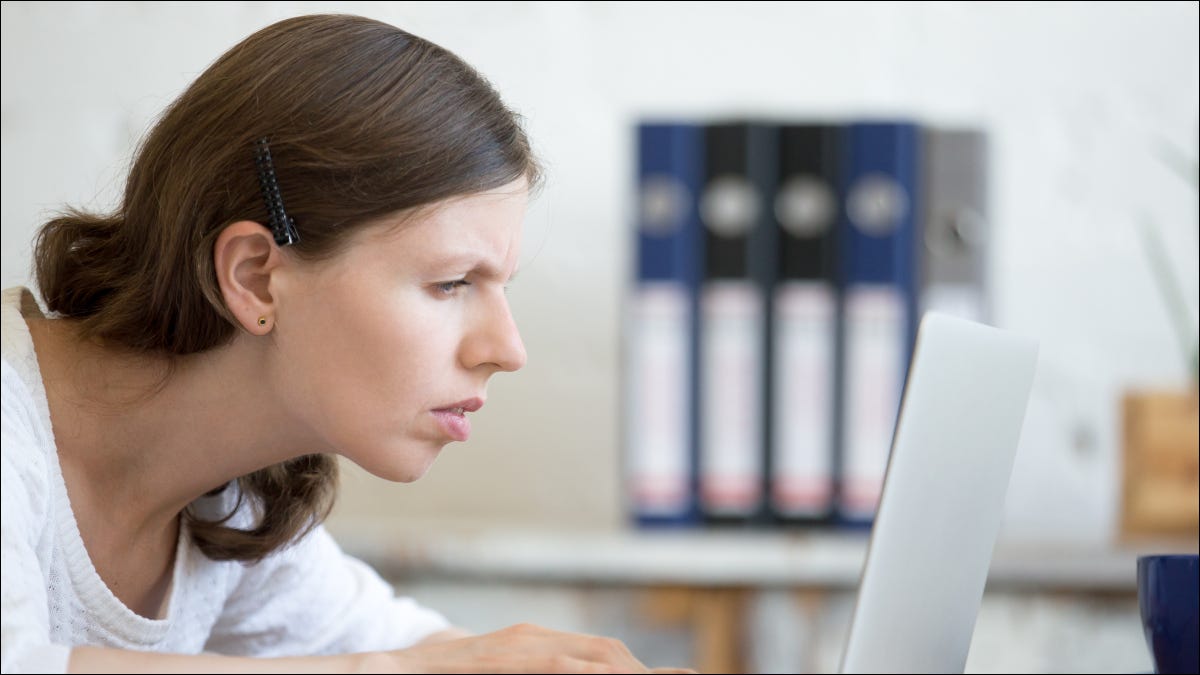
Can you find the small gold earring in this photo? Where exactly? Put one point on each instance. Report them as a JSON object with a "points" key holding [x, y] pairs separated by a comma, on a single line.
{"points": [[262, 320]]}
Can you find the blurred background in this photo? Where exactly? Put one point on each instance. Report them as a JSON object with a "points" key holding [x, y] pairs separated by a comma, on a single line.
{"points": [[1091, 113]]}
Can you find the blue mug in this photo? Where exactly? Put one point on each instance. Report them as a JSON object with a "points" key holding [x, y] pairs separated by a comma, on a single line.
{"points": [[1169, 601]]}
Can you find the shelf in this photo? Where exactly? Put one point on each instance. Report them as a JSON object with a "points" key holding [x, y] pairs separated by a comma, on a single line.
{"points": [[704, 558]]}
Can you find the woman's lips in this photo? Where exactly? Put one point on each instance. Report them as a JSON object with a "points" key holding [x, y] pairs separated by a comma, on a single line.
{"points": [[454, 423], [467, 405], [453, 419]]}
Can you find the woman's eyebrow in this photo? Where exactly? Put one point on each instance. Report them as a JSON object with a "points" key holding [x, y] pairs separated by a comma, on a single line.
{"points": [[477, 265]]}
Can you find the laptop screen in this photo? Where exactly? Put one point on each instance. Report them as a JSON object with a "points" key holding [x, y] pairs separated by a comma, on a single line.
{"points": [[943, 498]]}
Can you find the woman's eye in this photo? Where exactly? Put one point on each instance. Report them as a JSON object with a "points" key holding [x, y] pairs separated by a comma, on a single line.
{"points": [[450, 287]]}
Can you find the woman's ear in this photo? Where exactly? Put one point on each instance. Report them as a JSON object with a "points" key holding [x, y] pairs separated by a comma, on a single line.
{"points": [[244, 256]]}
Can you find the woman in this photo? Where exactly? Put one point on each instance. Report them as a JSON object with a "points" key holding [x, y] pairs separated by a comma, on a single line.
{"points": [[309, 259]]}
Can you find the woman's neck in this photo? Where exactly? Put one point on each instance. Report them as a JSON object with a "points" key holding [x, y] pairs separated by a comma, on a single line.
{"points": [[132, 447]]}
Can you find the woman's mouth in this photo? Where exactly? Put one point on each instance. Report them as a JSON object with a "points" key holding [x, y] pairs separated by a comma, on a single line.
{"points": [[454, 423], [453, 419]]}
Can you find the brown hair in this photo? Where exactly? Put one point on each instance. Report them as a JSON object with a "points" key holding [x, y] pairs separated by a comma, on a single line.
{"points": [[364, 120]]}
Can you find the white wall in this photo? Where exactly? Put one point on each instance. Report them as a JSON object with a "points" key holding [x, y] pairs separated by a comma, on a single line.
{"points": [[1077, 98]]}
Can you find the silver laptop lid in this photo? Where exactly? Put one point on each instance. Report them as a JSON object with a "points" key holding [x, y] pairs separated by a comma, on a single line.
{"points": [[943, 497]]}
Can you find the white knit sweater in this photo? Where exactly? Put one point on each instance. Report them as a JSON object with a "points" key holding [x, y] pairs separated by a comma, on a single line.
{"points": [[309, 598]]}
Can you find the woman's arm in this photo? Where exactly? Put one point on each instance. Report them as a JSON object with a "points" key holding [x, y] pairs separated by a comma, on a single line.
{"points": [[520, 648], [105, 660], [452, 633]]}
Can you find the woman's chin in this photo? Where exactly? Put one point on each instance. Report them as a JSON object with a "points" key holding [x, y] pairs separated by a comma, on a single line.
{"points": [[406, 469]]}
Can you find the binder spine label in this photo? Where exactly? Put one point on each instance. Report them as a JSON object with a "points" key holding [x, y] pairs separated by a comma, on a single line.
{"points": [[659, 390], [802, 483], [731, 419], [876, 335]]}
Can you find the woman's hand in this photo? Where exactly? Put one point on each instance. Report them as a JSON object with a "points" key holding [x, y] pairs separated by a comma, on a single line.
{"points": [[523, 648]]}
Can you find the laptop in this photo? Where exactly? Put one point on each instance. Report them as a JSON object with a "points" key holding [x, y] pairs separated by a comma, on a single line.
{"points": [[943, 497]]}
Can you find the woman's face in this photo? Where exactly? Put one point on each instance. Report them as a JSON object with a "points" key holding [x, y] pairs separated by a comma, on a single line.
{"points": [[380, 348]]}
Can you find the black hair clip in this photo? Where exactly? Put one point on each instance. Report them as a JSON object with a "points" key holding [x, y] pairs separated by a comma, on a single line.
{"points": [[282, 226]]}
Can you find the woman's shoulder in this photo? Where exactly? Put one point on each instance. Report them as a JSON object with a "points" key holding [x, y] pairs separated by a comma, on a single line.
{"points": [[22, 377], [16, 345], [26, 475], [27, 442]]}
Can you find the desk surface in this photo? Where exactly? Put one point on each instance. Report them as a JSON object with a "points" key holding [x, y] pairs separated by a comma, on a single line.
{"points": [[709, 558]]}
